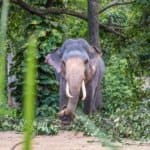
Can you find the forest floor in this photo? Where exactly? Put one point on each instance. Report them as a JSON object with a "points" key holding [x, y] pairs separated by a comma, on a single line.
{"points": [[65, 140]]}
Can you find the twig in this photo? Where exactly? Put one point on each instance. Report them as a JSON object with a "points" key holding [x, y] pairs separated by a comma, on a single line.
{"points": [[17, 144], [115, 3]]}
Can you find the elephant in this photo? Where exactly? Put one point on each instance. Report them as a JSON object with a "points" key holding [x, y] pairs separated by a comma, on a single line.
{"points": [[79, 69]]}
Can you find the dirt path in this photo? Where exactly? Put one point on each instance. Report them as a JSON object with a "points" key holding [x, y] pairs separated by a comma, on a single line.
{"points": [[63, 141]]}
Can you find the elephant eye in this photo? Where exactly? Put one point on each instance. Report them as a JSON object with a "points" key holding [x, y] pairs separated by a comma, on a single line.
{"points": [[63, 63], [86, 61]]}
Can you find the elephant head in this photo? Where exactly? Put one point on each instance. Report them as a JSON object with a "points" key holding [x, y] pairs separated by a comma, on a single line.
{"points": [[76, 63]]}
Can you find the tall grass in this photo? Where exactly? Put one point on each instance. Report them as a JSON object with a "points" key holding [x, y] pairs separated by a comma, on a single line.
{"points": [[3, 52], [30, 91]]}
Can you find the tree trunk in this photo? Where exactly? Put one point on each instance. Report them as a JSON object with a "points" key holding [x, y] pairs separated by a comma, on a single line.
{"points": [[93, 23]]}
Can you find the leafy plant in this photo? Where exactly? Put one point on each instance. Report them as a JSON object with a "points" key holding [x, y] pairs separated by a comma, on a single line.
{"points": [[120, 88], [126, 107], [42, 125]]}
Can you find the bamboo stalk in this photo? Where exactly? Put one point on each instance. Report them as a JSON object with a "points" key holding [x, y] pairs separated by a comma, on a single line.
{"points": [[3, 53], [29, 92]]}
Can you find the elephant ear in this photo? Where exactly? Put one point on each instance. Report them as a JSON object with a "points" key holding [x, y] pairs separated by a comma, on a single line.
{"points": [[91, 68], [94, 57], [94, 60], [54, 59]]}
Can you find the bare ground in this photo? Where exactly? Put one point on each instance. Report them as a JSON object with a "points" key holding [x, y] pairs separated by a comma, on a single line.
{"points": [[65, 140]]}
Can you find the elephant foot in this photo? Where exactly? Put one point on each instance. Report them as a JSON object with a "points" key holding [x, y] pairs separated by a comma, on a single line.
{"points": [[66, 116]]}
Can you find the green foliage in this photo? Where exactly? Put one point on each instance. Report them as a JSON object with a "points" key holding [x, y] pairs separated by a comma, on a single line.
{"points": [[86, 124], [45, 123], [75, 28], [120, 88], [48, 126], [49, 36], [126, 106], [129, 122]]}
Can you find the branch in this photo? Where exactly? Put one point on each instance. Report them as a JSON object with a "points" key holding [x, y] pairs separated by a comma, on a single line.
{"points": [[58, 11], [111, 30], [115, 3], [51, 10]]}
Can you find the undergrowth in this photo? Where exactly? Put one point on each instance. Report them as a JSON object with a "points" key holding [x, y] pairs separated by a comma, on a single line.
{"points": [[125, 112]]}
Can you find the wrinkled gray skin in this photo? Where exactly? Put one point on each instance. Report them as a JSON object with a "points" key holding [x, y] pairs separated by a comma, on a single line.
{"points": [[91, 71]]}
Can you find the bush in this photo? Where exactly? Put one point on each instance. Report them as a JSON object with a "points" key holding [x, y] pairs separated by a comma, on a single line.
{"points": [[126, 108], [48, 36], [45, 123], [120, 88]]}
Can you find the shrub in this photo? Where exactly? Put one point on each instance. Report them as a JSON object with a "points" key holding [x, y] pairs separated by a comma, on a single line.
{"points": [[120, 88], [126, 111]]}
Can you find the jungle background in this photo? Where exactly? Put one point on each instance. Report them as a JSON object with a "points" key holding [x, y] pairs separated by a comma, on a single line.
{"points": [[124, 41]]}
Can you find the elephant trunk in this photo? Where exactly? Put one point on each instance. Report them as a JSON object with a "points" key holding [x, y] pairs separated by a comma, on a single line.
{"points": [[68, 113], [72, 104], [83, 91]]}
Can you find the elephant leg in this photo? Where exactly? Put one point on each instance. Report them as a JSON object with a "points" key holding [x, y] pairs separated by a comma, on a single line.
{"points": [[87, 104], [98, 97], [93, 100], [89, 107], [86, 108], [63, 100]]}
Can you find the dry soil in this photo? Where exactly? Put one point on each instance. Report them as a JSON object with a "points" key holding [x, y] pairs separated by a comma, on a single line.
{"points": [[65, 140]]}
